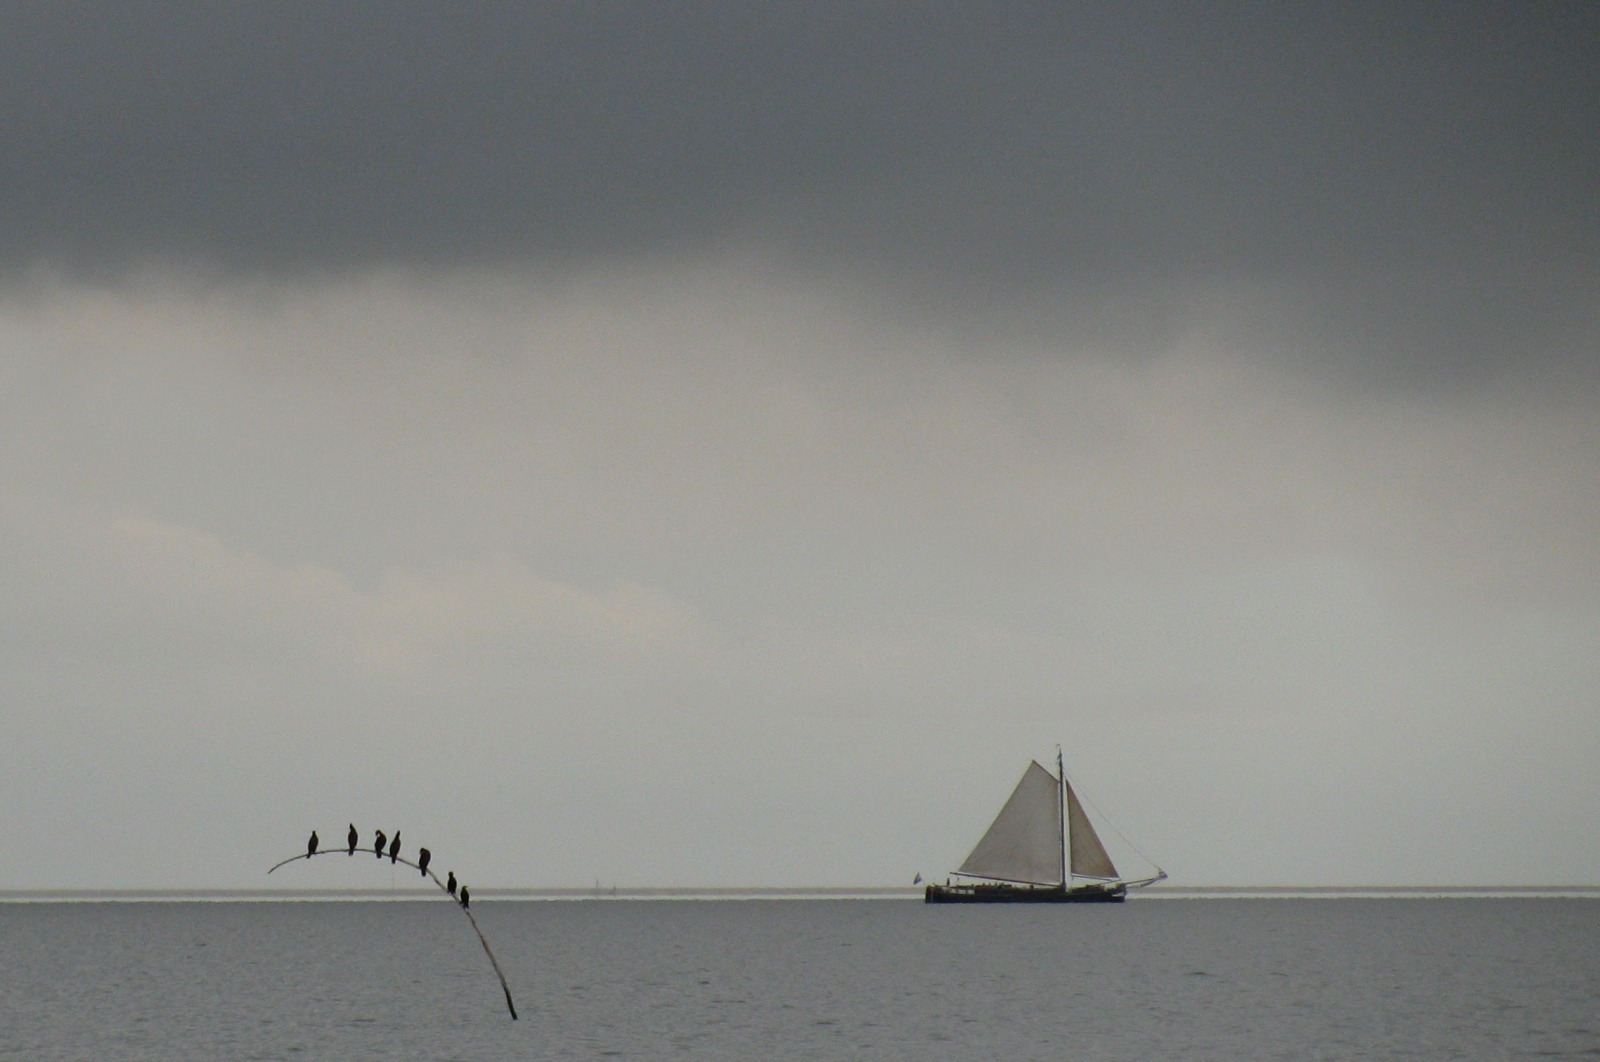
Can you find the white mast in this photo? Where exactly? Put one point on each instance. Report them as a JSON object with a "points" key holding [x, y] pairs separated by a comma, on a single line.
{"points": [[1061, 779]]}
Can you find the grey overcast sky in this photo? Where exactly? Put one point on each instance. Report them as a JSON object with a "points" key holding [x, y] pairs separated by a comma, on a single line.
{"points": [[720, 444]]}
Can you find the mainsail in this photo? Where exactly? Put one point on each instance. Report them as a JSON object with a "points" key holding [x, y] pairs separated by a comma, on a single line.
{"points": [[1024, 842], [1088, 855]]}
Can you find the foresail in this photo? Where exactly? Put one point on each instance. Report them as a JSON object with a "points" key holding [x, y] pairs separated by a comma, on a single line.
{"points": [[1089, 857], [1024, 842]]}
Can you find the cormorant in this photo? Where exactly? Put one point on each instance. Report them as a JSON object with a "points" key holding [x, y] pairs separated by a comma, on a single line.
{"points": [[378, 843], [464, 896], [352, 837], [394, 847], [422, 861], [311, 845], [450, 883]]}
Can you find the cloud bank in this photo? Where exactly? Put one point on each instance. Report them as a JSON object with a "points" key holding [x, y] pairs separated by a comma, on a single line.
{"points": [[1412, 188]]}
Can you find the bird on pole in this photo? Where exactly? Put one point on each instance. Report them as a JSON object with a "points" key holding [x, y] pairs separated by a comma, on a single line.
{"points": [[425, 858], [394, 848], [352, 837]]}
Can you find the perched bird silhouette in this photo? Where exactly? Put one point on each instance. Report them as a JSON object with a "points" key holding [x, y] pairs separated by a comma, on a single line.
{"points": [[464, 896], [311, 845], [423, 855], [378, 843], [394, 847], [352, 837], [450, 883]]}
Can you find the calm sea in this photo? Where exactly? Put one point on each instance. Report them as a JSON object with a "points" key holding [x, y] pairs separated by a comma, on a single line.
{"points": [[804, 979]]}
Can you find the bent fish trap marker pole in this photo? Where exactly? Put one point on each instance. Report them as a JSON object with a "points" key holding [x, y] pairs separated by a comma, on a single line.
{"points": [[430, 874]]}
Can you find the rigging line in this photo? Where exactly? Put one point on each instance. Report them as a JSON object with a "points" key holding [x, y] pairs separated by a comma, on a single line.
{"points": [[1109, 821], [396, 859]]}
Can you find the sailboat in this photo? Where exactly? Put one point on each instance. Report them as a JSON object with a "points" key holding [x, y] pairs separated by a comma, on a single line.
{"points": [[1041, 848]]}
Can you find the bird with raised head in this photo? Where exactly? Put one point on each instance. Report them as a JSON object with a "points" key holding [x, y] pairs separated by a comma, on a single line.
{"points": [[423, 855], [378, 842], [352, 837], [394, 848], [311, 845], [464, 896], [450, 883]]}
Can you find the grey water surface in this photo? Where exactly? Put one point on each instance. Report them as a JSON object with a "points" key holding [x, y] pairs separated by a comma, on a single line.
{"points": [[804, 979]]}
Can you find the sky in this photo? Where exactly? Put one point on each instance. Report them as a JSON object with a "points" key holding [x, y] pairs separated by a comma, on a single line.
{"points": [[722, 444]]}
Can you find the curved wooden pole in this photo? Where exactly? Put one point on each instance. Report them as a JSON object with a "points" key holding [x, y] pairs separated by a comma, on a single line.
{"points": [[429, 873]]}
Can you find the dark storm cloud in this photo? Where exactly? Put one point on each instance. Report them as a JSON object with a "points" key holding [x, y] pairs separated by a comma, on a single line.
{"points": [[1422, 177]]}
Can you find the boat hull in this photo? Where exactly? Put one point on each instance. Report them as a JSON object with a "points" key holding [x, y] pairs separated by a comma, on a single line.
{"points": [[1001, 893]]}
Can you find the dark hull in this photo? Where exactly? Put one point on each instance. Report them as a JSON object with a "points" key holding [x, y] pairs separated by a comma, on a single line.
{"points": [[1024, 894]]}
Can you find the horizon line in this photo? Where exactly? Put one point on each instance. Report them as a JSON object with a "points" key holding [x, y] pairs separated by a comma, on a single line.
{"points": [[712, 892]]}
